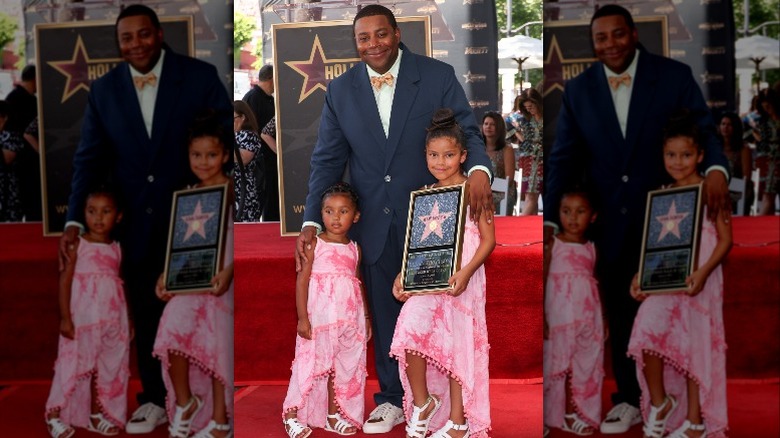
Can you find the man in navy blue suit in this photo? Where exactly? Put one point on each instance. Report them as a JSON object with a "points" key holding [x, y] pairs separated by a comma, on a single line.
{"points": [[378, 133], [609, 131], [134, 133]]}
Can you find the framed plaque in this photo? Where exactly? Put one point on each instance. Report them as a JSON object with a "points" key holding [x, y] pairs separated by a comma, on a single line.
{"points": [[195, 239], [670, 242], [434, 238]]}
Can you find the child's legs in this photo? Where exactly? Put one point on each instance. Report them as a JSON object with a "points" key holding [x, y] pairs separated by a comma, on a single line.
{"points": [[654, 375], [220, 406], [180, 378], [415, 372], [333, 406], [694, 405], [457, 413]]}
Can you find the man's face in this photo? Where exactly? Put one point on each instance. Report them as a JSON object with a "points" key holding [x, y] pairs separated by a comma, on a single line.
{"points": [[614, 42], [377, 42], [140, 43]]}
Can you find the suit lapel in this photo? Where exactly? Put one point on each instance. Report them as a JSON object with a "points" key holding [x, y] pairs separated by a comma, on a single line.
{"points": [[642, 93], [167, 95], [602, 98], [134, 116], [406, 90], [364, 97]]}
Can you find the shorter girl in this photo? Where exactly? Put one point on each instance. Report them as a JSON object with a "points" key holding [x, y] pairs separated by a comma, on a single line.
{"points": [[89, 388], [441, 341], [329, 370], [573, 325], [195, 336], [678, 340]]}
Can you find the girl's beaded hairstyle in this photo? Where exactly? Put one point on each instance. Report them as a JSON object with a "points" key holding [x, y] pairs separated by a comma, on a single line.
{"points": [[682, 123], [105, 189], [341, 188], [444, 125], [584, 191], [207, 123]]}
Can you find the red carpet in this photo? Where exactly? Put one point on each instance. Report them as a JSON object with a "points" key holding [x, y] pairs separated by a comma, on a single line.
{"points": [[265, 301], [515, 410], [22, 406]]}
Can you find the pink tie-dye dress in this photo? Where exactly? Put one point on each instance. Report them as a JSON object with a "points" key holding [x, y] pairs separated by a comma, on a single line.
{"points": [[451, 334], [101, 347], [575, 348], [199, 327], [338, 344], [687, 333]]}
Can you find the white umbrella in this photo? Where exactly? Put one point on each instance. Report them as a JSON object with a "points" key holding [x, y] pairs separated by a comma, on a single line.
{"points": [[759, 51], [523, 51]]}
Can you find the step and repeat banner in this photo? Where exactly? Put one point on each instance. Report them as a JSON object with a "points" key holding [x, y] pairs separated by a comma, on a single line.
{"points": [[699, 33], [462, 33], [69, 56]]}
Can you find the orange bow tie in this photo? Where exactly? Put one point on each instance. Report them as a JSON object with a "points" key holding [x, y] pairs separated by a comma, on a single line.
{"points": [[616, 81], [378, 81], [147, 79]]}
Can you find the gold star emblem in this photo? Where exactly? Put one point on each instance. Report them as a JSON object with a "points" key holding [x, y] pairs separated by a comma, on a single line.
{"points": [[78, 70], [313, 70]]}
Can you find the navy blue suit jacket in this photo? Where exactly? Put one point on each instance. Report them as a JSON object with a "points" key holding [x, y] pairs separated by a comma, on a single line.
{"points": [[385, 170], [114, 144], [622, 170]]}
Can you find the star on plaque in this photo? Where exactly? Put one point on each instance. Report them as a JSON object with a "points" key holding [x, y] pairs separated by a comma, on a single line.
{"points": [[433, 222], [76, 70], [196, 222], [313, 69], [670, 222]]}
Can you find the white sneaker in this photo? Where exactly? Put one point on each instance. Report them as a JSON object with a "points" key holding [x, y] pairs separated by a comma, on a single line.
{"points": [[383, 419], [620, 419], [146, 418]]}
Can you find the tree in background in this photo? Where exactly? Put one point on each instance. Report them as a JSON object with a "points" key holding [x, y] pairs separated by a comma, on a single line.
{"points": [[8, 28], [243, 28]]}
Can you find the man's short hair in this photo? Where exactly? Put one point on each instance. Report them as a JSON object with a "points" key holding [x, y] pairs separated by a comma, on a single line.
{"points": [[28, 73], [613, 9], [135, 10], [266, 73], [371, 10]]}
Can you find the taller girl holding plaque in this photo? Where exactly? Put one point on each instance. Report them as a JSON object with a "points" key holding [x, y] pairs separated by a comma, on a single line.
{"points": [[678, 340], [441, 340]]}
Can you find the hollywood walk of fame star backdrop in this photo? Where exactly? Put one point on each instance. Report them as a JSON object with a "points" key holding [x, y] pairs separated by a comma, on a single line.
{"points": [[671, 238], [434, 238], [307, 57], [196, 236], [698, 33], [69, 57]]}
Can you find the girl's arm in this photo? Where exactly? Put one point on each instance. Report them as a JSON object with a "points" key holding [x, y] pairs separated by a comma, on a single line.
{"points": [[699, 277], [246, 156], [67, 329], [302, 292], [366, 311], [270, 141], [545, 271], [487, 241], [747, 160]]}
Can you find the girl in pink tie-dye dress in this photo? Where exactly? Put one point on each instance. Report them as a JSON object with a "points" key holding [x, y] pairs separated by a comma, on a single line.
{"points": [[678, 340], [195, 336], [329, 371], [441, 340], [89, 388], [573, 326]]}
